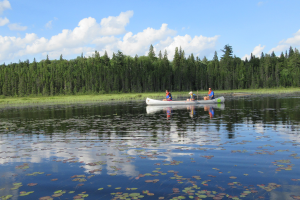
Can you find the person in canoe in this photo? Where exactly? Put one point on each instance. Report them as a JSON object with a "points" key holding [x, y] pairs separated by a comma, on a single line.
{"points": [[192, 96], [211, 95], [168, 96]]}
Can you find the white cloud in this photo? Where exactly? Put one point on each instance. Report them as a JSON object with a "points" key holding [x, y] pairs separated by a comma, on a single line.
{"points": [[256, 52], [4, 5], [17, 27], [285, 44], [199, 45], [139, 43], [115, 25], [89, 36], [49, 24], [3, 21], [68, 41]]}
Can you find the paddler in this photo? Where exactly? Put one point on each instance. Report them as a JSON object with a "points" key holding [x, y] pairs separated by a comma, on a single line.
{"points": [[168, 96], [192, 96], [211, 95]]}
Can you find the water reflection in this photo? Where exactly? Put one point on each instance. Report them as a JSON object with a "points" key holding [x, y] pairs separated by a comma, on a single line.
{"points": [[192, 108], [246, 145], [210, 110]]}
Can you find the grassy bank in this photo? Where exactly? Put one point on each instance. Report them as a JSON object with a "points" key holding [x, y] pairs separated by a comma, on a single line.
{"points": [[68, 99]]}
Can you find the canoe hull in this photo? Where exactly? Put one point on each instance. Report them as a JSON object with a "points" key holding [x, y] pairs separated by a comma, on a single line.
{"points": [[151, 109], [216, 100], [160, 102]]}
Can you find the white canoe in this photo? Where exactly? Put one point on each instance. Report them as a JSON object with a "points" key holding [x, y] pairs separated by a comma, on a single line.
{"points": [[160, 102]]}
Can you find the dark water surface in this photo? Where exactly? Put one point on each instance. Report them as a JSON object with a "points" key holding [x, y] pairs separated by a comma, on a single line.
{"points": [[247, 148]]}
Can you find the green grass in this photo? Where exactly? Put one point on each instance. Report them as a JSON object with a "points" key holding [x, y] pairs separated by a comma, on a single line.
{"points": [[69, 99], [261, 91]]}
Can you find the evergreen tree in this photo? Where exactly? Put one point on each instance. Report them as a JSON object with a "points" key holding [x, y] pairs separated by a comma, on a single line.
{"points": [[160, 55], [47, 60], [227, 51], [151, 53], [123, 73], [291, 52], [216, 56]]}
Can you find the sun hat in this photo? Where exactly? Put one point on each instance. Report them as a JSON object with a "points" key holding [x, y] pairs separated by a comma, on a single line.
{"points": [[190, 92]]}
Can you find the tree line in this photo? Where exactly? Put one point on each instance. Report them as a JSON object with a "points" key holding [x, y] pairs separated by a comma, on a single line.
{"points": [[152, 73]]}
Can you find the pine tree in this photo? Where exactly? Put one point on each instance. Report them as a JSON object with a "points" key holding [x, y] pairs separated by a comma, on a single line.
{"points": [[227, 51], [160, 55], [151, 53], [176, 59], [215, 58], [47, 60], [165, 54], [291, 52], [204, 60]]}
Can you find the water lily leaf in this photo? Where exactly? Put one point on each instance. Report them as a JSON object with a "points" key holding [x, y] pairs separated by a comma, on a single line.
{"points": [[6, 197], [134, 194], [23, 193]]}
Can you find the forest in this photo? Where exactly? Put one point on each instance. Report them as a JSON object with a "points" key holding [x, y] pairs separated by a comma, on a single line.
{"points": [[101, 74]]}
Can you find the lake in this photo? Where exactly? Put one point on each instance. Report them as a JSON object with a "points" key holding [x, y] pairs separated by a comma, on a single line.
{"points": [[247, 148]]}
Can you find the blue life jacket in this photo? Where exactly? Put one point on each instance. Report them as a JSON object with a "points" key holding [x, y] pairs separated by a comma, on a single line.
{"points": [[169, 96], [211, 95], [192, 96]]}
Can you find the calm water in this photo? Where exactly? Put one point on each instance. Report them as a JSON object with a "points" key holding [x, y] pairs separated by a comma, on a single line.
{"points": [[247, 148]]}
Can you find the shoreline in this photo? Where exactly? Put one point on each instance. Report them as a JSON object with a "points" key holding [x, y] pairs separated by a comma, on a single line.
{"points": [[86, 99]]}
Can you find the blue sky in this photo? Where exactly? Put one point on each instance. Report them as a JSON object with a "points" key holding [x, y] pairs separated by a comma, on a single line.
{"points": [[33, 28]]}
